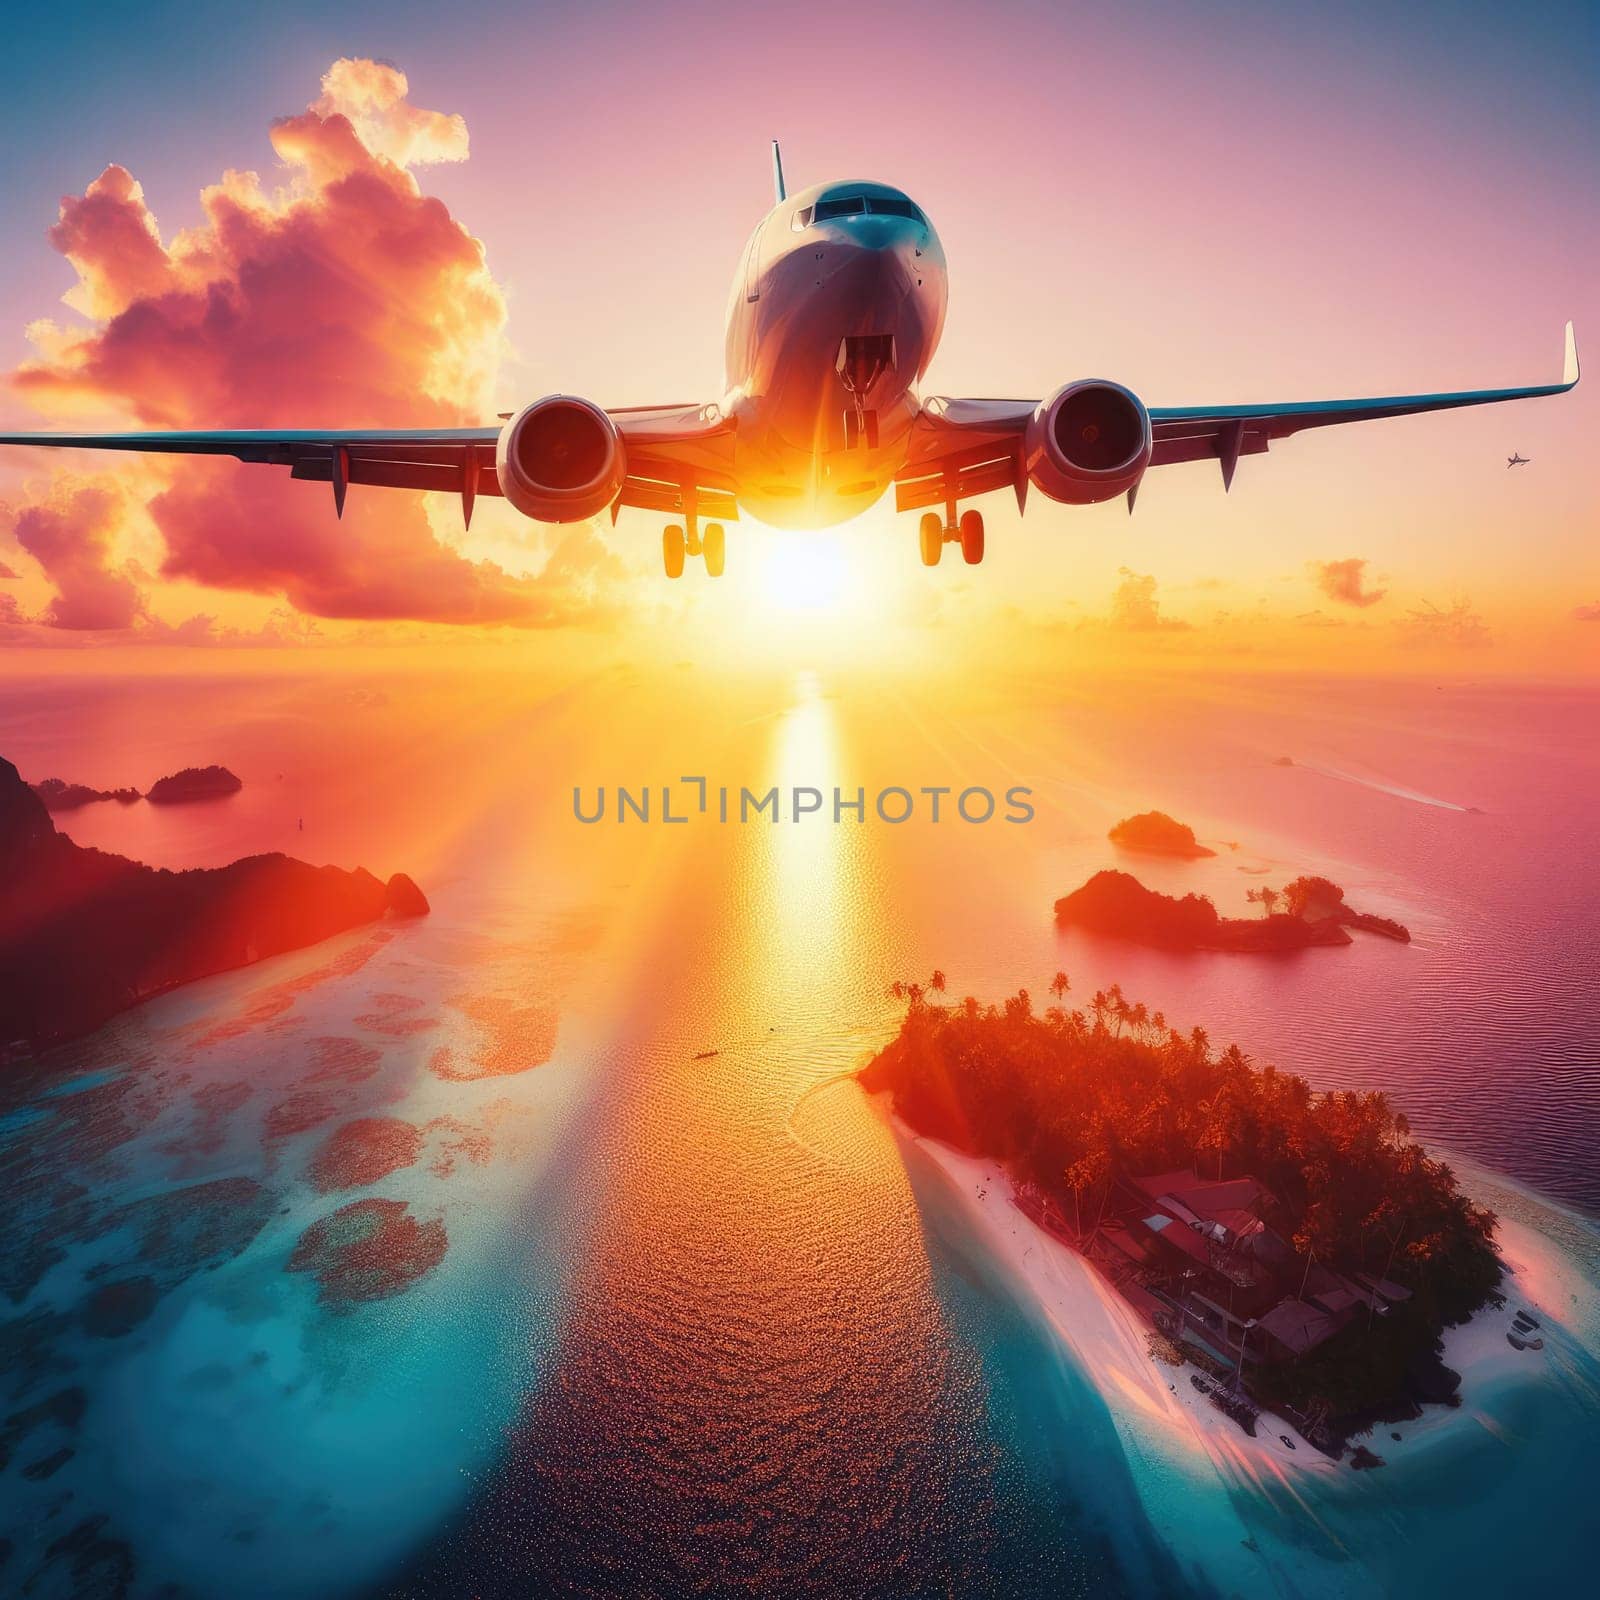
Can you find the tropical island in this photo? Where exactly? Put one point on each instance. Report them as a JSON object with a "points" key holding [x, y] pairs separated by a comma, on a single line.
{"points": [[85, 934], [1154, 833], [1313, 913], [1301, 1250]]}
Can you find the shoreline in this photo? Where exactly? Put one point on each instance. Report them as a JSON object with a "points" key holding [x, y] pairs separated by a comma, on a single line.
{"points": [[1108, 1338]]}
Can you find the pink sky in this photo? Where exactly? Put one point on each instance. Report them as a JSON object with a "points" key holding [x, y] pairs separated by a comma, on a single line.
{"points": [[1251, 208]]}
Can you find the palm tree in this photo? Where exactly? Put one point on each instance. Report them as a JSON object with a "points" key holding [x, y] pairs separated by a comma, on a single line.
{"points": [[1264, 897], [1059, 985]]}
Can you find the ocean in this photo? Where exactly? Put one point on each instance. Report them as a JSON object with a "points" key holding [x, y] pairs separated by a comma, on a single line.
{"points": [[656, 1305]]}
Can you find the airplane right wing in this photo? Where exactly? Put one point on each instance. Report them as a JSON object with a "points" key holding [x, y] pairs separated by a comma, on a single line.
{"points": [[968, 447], [679, 457], [1199, 433]]}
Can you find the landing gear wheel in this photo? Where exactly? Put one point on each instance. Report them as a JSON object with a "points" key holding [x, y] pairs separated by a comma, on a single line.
{"points": [[931, 536], [716, 546], [972, 537], [672, 548]]}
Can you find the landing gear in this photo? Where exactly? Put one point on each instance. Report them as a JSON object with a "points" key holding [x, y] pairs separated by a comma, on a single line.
{"points": [[715, 548], [935, 532], [860, 427], [676, 545], [862, 360], [672, 550], [971, 528]]}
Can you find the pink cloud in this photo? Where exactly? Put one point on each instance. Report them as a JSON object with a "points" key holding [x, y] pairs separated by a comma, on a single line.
{"points": [[346, 298], [71, 535], [1345, 581], [1588, 613]]}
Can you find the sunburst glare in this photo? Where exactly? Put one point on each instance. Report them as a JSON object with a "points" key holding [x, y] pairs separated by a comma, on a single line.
{"points": [[805, 573]]}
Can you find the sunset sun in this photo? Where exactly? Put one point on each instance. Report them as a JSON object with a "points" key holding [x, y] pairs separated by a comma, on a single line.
{"points": [[804, 573]]}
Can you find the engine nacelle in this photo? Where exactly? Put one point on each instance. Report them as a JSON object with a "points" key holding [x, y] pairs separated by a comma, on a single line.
{"points": [[1089, 441], [560, 460]]}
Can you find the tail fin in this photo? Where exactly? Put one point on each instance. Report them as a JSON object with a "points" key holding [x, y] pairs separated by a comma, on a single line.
{"points": [[777, 173]]}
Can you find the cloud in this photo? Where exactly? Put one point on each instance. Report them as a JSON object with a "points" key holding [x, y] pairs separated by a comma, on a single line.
{"points": [[1345, 581], [71, 535], [1458, 628], [346, 297], [371, 96], [1134, 607], [6, 572], [1588, 613]]}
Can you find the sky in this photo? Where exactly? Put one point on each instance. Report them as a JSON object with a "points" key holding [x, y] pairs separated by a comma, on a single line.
{"points": [[1208, 204]]}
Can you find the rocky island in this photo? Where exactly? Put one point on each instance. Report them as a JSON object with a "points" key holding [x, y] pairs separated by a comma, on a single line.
{"points": [[194, 783], [1300, 1251], [1154, 833], [1314, 913], [58, 795], [85, 934]]}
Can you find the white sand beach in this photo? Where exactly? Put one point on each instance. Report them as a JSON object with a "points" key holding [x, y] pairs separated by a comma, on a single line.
{"points": [[1110, 1342]]}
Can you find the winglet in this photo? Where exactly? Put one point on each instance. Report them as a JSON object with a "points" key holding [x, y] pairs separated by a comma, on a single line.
{"points": [[1569, 364], [781, 194]]}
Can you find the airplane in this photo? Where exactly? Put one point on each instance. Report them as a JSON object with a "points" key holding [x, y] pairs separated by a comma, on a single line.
{"points": [[833, 317], [1515, 460]]}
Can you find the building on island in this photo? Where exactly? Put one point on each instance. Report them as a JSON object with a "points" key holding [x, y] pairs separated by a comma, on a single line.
{"points": [[1200, 1258]]}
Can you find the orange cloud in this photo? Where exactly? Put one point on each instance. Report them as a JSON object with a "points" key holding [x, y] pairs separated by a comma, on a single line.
{"points": [[371, 96], [1345, 581], [345, 298], [71, 535], [1588, 613]]}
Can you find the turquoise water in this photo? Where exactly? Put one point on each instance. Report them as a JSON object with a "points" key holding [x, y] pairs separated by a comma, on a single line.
{"points": [[1479, 1509], [442, 1259]]}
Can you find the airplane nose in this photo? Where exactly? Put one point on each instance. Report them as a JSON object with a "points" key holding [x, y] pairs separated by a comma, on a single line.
{"points": [[882, 249], [885, 234]]}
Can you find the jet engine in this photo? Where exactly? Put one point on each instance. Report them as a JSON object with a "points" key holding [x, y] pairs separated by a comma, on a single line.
{"points": [[560, 460], [1089, 441]]}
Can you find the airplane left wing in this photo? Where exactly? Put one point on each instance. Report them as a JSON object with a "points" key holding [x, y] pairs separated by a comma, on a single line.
{"points": [[968, 447], [458, 460], [674, 453]]}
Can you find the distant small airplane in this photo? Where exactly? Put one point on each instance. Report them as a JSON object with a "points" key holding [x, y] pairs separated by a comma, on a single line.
{"points": [[834, 315], [1517, 461]]}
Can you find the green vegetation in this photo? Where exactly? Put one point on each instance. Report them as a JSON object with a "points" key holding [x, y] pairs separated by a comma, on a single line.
{"points": [[1074, 1101]]}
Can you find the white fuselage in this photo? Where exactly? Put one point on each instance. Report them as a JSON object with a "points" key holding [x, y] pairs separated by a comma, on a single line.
{"points": [[803, 289]]}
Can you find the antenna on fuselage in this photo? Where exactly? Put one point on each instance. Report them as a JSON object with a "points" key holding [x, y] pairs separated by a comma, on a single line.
{"points": [[777, 173]]}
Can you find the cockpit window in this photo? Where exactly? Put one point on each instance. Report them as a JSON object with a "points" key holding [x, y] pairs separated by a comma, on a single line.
{"points": [[886, 206], [855, 205], [851, 205]]}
